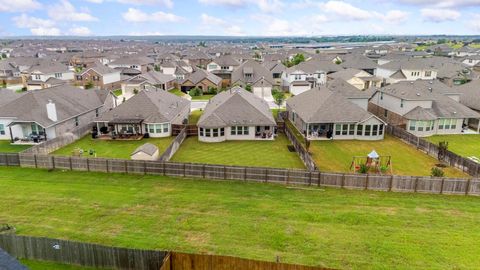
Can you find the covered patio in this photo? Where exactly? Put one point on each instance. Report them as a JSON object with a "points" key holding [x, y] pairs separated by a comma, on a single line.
{"points": [[118, 129], [26, 133], [320, 131]]}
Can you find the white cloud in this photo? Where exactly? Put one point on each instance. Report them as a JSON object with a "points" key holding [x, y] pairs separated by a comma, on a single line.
{"points": [[346, 10], [80, 31], [270, 6], [439, 15], [231, 3], [65, 11], [475, 23], [25, 21], [18, 5], [95, 1], [394, 16], [443, 3], [138, 16], [266, 6], [45, 31], [216, 24], [166, 3]]}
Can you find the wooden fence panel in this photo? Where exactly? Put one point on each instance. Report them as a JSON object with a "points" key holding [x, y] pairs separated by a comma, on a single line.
{"points": [[403, 183], [83, 254], [154, 167], [255, 174], [27, 160], [355, 181], [136, 166], [299, 177], [474, 187], [80, 164], [9, 159], [174, 169], [380, 182], [455, 186], [235, 173], [331, 179], [45, 161], [277, 175], [63, 163], [98, 165], [429, 185], [214, 172], [117, 166]]}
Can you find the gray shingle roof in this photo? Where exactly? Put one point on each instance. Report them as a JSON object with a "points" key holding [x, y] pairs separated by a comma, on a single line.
{"points": [[151, 106], [69, 101], [7, 96], [253, 67], [321, 105], [236, 107], [7, 262], [148, 148], [200, 74], [470, 94]]}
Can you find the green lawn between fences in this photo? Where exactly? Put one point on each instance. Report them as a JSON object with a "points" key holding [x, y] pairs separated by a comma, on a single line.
{"points": [[112, 148], [177, 92], [273, 154], [117, 92], [337, 228], [337, 156], [465, 145], [194, 116], [42, 265], [6, 147], [202, 97]]}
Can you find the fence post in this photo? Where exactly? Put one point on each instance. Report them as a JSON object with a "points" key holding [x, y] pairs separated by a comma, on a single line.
{"points": [[203, 171], [319, 178], [441, 186], [70, 161], [184, 169], [288, 177], [126, 167], [366, 182], [266, 175], [106, 163], [88, 164], [416, 184], [145, 168], [467, 189], [343, 181], [53, 162], [163, 167], [35, 160], [6, 159], [225, 172], [391, 183]]}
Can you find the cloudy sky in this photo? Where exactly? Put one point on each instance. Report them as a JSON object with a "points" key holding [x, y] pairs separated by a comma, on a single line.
{"points": [[238, 17]]}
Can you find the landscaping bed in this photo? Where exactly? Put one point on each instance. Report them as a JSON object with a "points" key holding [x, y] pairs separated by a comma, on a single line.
{"points": [[273, 154], [336, 228], [111, 148]]}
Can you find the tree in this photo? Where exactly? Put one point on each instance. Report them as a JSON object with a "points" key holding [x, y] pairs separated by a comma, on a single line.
{"points": [[135, 91], [278, 96], [248, 87], [297, 59], [317, 51], [4, 55], [156, 68], [89, 85]]}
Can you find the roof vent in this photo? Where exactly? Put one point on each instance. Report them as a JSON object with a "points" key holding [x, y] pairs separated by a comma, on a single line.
{"points": [[418, 94], [430, 89]]}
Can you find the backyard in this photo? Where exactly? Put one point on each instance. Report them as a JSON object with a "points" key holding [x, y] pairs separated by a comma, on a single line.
{"points": [[111, 148], [194, 116], [466, 145], [337, 155], [6, 147], [337, 228], [273, 154]]}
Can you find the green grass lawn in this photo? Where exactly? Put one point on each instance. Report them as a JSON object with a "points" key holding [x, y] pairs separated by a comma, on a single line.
{"points": [[42, 265], [241, 153], [117, 92], [202, 97], [112, 148], [194, 116], [464, 145], [337, 228], [6, 147], [177, 92], [406, 160], [276, 111]]}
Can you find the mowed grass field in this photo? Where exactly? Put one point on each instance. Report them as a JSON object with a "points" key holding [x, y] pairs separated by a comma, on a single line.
{"points": [[465, 145], [6, 147], [111, 148], [43, 265], [337, 155], [336, 228], [273, 154]]}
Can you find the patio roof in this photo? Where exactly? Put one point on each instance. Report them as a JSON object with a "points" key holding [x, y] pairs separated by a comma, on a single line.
{"points": [[125, 121]]}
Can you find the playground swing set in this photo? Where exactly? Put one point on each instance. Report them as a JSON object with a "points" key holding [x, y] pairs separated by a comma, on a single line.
{"points": [[372, 163]]}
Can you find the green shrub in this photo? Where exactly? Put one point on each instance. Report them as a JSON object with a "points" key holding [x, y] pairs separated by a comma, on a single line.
{"points": [[212, 90], [195, 92], [248, 87], [363, 168], [135, 91], [437, 172]]}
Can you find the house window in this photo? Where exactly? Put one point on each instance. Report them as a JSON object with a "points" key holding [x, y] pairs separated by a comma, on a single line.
{"points": [[375, 130], [215, 132], [165, 128], [428, 73], [454, 124], [58, 75], [441, 123], [367, 130], [401, 103], [37, 77], [412, 125], [225, 68], [207, 132], [293, 116], [447, 123], [96, 112], [222, 132], [79, 78], [212, 67], [239, 130], [359, 130], [380, 130], [351, 129], [385, 113], [2, 129], [76, 121], [420, 125], [298, 77], [248, 75], [338, 129], [36, 129], [344, 129], [201, 132]]}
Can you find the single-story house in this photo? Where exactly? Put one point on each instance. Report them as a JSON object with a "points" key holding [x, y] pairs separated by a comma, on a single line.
{"points": [[236, 114], [200, 79], [322, 114], [151, 112], [253, 74], [40, 115], [152, 79]]}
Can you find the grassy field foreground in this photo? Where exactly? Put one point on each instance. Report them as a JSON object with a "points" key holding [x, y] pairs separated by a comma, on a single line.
{"points": [[332, 227]]}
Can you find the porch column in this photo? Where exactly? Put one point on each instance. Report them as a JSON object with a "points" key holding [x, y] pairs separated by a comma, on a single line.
{"points": [[478, 125], [45, 134], [308, 130], [11, 134]]}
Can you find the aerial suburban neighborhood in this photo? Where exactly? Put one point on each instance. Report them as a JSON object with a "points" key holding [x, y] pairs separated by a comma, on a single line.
{"points": [[170, 138]]}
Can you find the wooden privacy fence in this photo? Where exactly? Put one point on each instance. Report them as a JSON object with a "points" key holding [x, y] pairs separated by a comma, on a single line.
{"points": [[184, 261], [395, 183], [192, 129], [302, 152], [174, 146], [78, 253], [464, 164], [59, 142]]}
